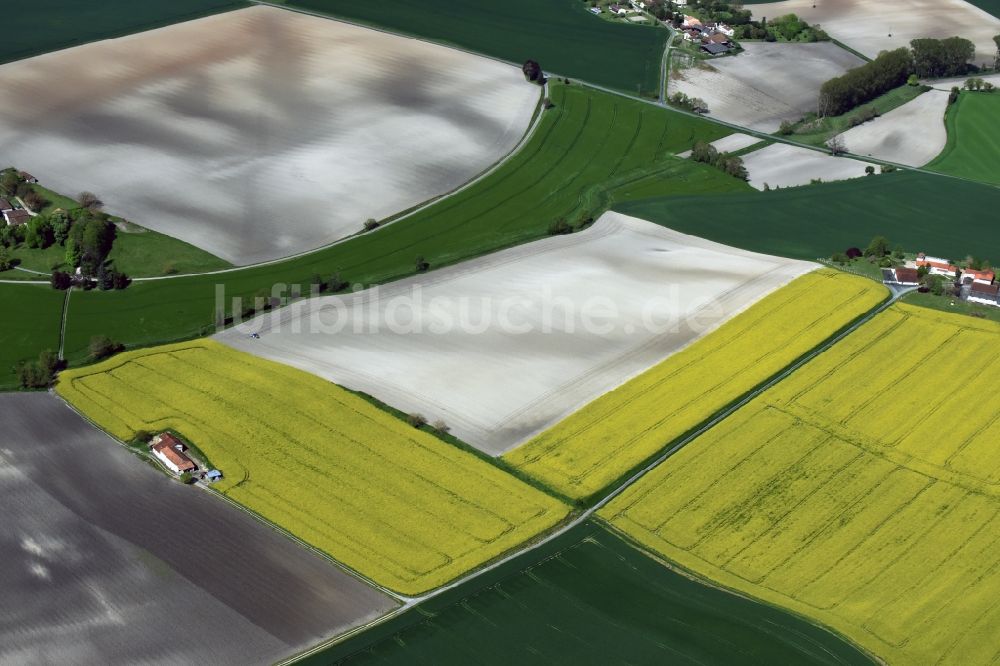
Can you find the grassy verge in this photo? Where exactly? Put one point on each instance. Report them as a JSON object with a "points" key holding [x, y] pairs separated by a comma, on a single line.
{"points": [[953, 305], [817, 131], [973, 147]]}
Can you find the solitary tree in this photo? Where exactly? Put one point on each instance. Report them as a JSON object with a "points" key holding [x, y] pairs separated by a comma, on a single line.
{"points": [[61, 281], [90, 201], [416, 420], [533, 71], [836, 145], [421, 263], [879, 247], [101, 346], [869, 170]]}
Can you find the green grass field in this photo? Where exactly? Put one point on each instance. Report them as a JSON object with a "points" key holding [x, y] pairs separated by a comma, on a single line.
{"points": [[592, 599], [560, 34], [31, 319], [913, 210], [592, 150], [973, 148], [48, 25]]}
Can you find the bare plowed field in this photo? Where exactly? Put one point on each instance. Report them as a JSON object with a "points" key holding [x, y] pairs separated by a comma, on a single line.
{"points": [[782, 165], [766, 84], [871, 27], [262, 132], [106, 561], [912, 134], [502, 347]]}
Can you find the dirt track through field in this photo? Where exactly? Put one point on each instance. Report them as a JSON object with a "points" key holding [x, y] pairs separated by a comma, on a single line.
{"points": [[260, 133], [106, 561]]}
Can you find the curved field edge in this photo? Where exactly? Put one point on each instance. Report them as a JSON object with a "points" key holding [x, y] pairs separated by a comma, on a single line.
{"points": [[554, 175], [51, 25], [973, 147], [835, 504], [559, 34], [390, 502], [818, 220], [625, 428], [547, 604]]}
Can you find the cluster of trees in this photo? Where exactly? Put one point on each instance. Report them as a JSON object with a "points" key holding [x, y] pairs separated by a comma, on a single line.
{"points": [[891, 69], [694, 104], [561, 227], [978, 84], [787, 28], [942, 57], [86, 233], [877, 252], [707, 154], [40, 373]]}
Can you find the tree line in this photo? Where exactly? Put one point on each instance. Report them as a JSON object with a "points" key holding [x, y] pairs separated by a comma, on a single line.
{"points": [[891, 69]]}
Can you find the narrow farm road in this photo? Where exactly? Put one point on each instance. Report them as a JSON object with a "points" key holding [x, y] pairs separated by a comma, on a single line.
{"points": [[62, 323]]}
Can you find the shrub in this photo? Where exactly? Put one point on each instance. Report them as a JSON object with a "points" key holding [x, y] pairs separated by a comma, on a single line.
{"points": [[560, 227], [416, 420], [421, 263], [61, 281], [853, 252], [101, 346], [371, 223], [441, 427]]}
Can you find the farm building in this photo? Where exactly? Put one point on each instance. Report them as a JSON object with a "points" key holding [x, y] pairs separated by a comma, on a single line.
{"points": [[170, 451], [712, 48], [16, 217], [5, 205], [984, 277], [936, 265], [213, 475], [906, 276], [984, 293], [27, 177]]}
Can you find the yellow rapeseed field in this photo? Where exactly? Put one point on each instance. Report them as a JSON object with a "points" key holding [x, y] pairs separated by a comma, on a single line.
{"points": [[600, 443], [396, 504], [863, 491]]}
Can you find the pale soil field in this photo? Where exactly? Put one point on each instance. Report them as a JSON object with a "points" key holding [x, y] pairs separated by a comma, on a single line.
{"points": [[260, 133], [946, 84], [106, 561], [781, 165], [729, 144], [912, 134], [503, 347], [866, 26], [766, 84]]}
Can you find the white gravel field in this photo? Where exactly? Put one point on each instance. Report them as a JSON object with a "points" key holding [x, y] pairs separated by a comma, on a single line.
{"points": [[729, 144], [504, 346], [260, 133], [871, 27], [781, 165], [912, 134], [767, 83]]}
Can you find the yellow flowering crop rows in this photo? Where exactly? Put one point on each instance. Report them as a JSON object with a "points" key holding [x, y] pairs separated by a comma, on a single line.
{"points": [[862, 491], [396, 504], [598, 444]]}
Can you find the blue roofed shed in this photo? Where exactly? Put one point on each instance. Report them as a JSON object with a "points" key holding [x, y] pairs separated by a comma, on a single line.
{"points": [[214, 475]]}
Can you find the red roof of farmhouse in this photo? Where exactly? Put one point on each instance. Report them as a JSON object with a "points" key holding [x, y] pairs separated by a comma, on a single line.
{"points": [[979, 275], [936, 264], [165, 444]]}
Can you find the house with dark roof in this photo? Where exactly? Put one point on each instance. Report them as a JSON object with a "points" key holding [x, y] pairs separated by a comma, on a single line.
{"points": [[712, 48], [5, 205], [27, 177], [16, 216], [984, 293]]}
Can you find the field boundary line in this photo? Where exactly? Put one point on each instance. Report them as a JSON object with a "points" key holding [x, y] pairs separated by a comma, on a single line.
{"points": [[62, 323]]}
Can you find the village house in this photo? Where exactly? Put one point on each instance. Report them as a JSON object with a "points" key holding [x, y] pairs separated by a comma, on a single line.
{"points": [[936, 265], [908, 277], [984, 293], [712, 48], [691, 22], [27, 177], [5, 205], [984, 277], [170, 451], [15, 217], [595, 10]]}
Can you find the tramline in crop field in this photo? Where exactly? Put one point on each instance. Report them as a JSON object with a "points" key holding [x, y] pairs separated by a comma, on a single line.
{"points": [[862, 491], [618, 431], [392, 502]]}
